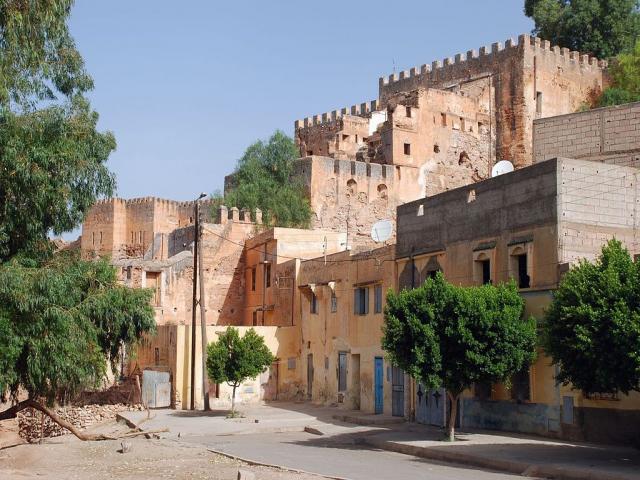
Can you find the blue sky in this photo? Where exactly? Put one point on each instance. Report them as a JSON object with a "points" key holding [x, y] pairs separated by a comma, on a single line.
{"points": [[187, 86]]}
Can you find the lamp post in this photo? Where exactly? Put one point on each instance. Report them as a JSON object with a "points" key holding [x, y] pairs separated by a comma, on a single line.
{"points": [[195, 291]]}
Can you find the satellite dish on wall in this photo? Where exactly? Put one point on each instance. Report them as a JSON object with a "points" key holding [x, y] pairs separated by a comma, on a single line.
{"points": [[381, 231], [502, 167]]}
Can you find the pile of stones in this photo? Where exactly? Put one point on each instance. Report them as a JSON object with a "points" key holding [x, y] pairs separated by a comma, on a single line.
{"points": [[34, 425]]}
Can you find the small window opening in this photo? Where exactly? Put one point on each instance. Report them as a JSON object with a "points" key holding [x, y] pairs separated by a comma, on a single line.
{"points": [[408, 110], [345, 137], [538, 102], [309, 153], [436, 148], [267, 275], [471, 197], [443, 118], [313, 304], [407, 149], [253, 279], [255, 319], [334, 302]]}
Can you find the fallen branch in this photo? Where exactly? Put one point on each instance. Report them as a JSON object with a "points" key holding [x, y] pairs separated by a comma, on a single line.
{"points": [[30, 403]]}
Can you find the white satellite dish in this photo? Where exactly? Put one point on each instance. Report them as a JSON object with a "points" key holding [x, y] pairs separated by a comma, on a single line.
{"points": [[502, 167], [381, 231]]}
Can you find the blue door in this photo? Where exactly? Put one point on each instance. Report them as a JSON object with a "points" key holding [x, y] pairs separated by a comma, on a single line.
{"points": [[379, 378]]}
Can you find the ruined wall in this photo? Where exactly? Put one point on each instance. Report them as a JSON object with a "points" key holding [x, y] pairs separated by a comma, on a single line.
{"points": [[526, 80], [443, 134], [609, 135], [350, 196]]}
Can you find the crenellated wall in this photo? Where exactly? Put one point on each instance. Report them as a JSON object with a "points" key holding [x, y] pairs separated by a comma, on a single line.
{"points": [[139, 227], [518, 82]]}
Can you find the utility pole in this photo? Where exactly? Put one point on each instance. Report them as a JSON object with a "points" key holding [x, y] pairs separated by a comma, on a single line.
{"points": [[203, 326], [193, 306]]}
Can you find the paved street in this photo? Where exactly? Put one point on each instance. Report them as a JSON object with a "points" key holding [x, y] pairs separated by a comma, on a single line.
{"points": [[339, 458], [340, 452]]}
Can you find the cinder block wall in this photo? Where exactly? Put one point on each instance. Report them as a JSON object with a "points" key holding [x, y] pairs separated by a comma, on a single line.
{"points": [[610, 135]]}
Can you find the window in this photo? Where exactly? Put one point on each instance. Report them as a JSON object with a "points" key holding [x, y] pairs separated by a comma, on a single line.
{"points": [[361, 301], [100, 238], [342, 371], [309, 153], [377, 299], [520, 266], [538, 102], [153, 280], [313, 303], [93, 238], [129, 272], [156, 356], [345, 138], [267, 275], [443, 118], [291, 363], [407, 149], [520, 390], [408, 112], [334, 302], [253, 279], [482, 265], [523, 277], [255, 318]]}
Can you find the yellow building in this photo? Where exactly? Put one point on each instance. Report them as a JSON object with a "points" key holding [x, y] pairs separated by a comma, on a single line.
{"points": [[530, 226], [341, 318]]}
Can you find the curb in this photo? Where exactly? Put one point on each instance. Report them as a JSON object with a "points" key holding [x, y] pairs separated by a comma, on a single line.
{"points": [[508, 466], [272, 465]]}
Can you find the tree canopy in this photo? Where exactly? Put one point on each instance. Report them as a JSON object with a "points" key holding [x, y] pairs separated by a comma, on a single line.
{"points": [[625, 79], [592, 328], [38, 56], [603, 28], [234, 359], [450, 336], [263, 179], [62, 321], [52, 158]]}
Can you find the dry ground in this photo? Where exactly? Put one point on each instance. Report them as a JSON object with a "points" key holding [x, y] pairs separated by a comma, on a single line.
{"points": [[66, 458]]}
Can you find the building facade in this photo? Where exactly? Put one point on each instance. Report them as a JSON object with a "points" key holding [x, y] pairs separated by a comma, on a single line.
{"points": [[531, 226]]}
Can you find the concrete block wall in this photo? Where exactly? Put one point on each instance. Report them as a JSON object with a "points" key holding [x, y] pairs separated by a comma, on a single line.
{"points": [[596, 202], [610, 135]]}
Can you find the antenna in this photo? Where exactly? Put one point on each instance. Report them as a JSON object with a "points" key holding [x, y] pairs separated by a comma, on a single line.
{"points": [[381, 231], [502, 167]]}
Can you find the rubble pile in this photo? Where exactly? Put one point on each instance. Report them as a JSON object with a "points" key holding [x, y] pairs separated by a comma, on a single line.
{"points": [[34, 425]]}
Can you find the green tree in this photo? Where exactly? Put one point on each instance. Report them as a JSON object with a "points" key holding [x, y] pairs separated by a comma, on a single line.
{"points": [[592, 328], [625, 79], [61, 322], [52, 158], [603, 28], [61, 319], [452, 337], [234, 359], [263, 179]]}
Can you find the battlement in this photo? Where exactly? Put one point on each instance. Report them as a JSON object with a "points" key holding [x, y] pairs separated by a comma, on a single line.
{"points": [[361, 110], [150, 200], [493, 54]]}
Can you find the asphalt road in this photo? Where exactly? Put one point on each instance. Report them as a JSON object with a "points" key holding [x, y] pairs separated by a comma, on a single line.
{"points": [[339, 457]]}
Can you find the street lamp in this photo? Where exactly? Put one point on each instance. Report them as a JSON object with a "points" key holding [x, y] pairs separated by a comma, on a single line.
{"points": [[195, 291]]}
